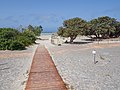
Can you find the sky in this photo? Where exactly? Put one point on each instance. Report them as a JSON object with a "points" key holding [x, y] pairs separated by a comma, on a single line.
{"points": [[50, 14]]}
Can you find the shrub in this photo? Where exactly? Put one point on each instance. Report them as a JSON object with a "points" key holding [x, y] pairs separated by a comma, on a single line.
{"points": [[4, 44], [30, 35], [16, 45], [23, 39], [8, 33], [11, 39]]}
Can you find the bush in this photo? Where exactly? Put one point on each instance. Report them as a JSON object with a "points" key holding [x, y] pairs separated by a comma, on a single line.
{"points": [[8, 33], [11, 39], [16, 45], [4, 44], [23, 39], [30, 35]]}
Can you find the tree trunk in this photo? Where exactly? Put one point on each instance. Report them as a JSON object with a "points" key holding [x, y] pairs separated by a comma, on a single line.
{"points": [[71, 40]]}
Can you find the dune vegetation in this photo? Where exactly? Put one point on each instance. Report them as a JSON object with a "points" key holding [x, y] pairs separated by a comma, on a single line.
{"points": [[12, 39]]}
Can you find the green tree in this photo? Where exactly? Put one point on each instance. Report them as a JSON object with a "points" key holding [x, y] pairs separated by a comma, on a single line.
{"points": [[31, 28], [37, 30], [103, 26], [88, 32], [117, 31], [71, 28]]}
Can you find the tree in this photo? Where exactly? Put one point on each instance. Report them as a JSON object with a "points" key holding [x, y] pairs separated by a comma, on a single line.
{"points": [[88, 32], [71, 28], [117, 31], [104, 26], [37, 30], [31, 28]]}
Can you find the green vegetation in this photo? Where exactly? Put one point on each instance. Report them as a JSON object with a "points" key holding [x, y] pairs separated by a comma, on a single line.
{"points": [[37, 29], [12, 39], [102, 27], [71, 28]]}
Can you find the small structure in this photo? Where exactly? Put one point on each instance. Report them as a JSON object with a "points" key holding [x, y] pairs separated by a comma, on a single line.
{"points": [[57, 40], [94, 54]]}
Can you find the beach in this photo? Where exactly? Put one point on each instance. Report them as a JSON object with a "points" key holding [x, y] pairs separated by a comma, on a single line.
{"points": [[14, 68], [75, 64]]}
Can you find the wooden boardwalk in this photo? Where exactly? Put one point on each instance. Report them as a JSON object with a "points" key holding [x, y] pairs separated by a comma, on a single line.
{"points": [[43, 74]]}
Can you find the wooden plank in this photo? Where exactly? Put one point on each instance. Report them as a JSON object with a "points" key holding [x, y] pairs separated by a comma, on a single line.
{"points": [[43, 74]]}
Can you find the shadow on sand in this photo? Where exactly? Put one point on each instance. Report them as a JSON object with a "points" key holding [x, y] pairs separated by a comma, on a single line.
{"points": [[79, 42]]}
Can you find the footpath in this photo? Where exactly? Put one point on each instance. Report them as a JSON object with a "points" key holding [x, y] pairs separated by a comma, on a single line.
{"points": [[43, 74]]}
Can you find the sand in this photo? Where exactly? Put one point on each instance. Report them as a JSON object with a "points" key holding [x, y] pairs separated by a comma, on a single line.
{"points": [[75, 63], [14, 68]]}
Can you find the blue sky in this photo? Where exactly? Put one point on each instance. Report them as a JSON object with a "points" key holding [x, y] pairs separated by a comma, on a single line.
{"points": [[51, 13]]}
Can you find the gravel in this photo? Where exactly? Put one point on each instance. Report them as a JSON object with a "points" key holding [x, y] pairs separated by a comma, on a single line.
{"points": [[76, 66], [14, 68]]}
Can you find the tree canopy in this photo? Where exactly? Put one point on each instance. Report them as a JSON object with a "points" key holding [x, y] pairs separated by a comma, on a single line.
{"points": [[36, 29], [71, 28], [101, 27]]}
